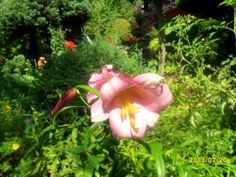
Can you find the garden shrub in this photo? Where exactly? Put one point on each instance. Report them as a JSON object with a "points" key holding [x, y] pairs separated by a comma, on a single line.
{"points": [[190, 46], [18, 75], [12, 116], [120, 27], [200, 122], [34, 18], [104, 13], [199, 117], [75, 67]]}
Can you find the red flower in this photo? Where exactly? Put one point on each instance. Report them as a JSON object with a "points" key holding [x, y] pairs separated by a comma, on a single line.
{"points": [[70, 44]]}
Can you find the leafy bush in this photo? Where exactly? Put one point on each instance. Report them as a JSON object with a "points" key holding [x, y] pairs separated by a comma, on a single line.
{"points": [[199, 125], [120, 27], [196, 43], [39, 13], [104, 13], [31, 27], [57, 41], [75, 67], [18, 75], [12, 116]]}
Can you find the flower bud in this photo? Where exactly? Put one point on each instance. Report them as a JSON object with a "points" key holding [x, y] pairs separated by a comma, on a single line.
{"points": [[66, 98]]}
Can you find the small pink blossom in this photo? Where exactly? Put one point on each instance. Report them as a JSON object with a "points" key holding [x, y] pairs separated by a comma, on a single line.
{"points": [[132, 104]]}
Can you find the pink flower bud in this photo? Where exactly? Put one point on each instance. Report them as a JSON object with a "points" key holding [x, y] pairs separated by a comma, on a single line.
{"points": [[66, 98]]}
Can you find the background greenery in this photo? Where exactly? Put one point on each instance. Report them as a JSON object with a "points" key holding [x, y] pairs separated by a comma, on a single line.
{"points": [[200, 71]]}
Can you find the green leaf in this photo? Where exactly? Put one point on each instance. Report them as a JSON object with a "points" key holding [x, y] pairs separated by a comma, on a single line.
{"points": [[168, 30], [66, 108], [156, 152], [94, 161], [233, 62], [88, 88], [88, 171], [74, 134]]}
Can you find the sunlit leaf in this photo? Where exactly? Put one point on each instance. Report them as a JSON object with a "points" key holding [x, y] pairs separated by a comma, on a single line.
{"points": [[156, 152], [89, 89]]}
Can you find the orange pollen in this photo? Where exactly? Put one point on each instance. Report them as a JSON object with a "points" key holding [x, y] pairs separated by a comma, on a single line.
{"points": [[128, 110]]}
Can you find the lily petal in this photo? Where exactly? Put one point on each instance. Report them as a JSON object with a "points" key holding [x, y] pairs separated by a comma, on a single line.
{"points": [[160, 96], [97, 112], [154, 99], [97, 80], [149, 118], [110, 89], [122, 128], [107, 68], [149, 79]]}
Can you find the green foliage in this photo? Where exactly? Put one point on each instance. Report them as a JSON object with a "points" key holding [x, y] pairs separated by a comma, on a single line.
{"points": [[132, 159], [156, 151], [74, 7], [38, 13], [7, 150], [104, 13], [229, 3], [196, 42], [57, 41], [27, 13], [21, 21], [200, 124], [66, 69], [154, 44], [120, 27], [201, 117], [75, 67], [65, 147], [12, 116], [18, 74]]}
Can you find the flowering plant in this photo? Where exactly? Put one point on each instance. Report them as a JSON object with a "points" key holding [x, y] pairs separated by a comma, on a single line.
{"points": [[70, 44], [132, 104]]}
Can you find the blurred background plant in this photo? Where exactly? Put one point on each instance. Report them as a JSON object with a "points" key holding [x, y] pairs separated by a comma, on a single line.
{"points": [[200, 70], [31, 32]]}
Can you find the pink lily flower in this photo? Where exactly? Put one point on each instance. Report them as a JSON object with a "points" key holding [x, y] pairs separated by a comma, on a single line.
{"points": [[131, 104]]}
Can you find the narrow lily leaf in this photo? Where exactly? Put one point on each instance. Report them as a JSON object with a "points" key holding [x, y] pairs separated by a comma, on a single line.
{"points": [[88, 88], [156, 152], [66, 108]]}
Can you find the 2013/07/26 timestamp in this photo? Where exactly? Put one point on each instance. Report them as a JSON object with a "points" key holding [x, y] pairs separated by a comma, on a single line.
{"points": [[207, 160]]}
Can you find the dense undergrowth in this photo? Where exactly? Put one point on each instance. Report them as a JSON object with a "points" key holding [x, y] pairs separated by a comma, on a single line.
{"points": [[194, 137]]}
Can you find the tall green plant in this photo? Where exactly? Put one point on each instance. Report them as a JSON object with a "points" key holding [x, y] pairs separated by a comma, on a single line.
{"points": [[194, 43], [233, 4]]}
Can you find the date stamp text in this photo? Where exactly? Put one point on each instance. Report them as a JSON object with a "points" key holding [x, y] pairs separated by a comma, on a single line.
{"points": [[207, 159]]}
